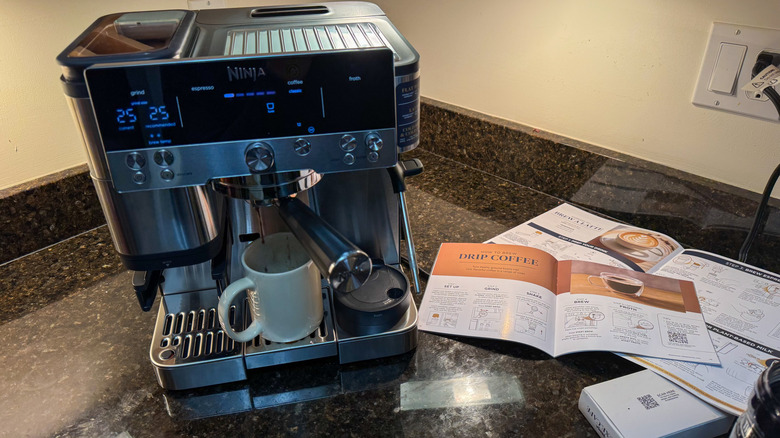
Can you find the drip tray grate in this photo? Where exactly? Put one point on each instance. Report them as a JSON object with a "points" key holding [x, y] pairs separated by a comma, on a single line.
{"points": [[320, 343], [188, 338], [187, 335], [197, 334]]}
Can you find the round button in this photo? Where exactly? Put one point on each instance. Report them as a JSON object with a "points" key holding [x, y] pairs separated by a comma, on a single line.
{"points": [[302, 146], [139, 178], [167, 354], [348, 143], [135, 161], [163, 158], [373, 156], [374, 142], [167, 174], [259, 157], [349, 159]]}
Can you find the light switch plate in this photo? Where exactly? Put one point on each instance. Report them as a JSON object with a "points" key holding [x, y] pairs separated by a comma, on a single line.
{"points": [[722, 59]]}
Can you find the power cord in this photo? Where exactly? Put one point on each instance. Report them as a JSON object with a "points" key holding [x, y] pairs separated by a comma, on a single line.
{"points": [[774, 97], [761, 216]]}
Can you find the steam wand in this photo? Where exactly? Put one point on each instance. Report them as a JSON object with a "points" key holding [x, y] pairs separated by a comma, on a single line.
{"points": [[344, 265], [398, 174]]}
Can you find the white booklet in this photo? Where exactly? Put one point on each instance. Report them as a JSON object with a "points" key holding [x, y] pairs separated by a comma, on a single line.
{"points": [[740, 303], [522, 294], [569, 233]]}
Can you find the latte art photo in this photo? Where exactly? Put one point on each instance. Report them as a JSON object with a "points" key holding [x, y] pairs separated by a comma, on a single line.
{"points": [[642, 240]]}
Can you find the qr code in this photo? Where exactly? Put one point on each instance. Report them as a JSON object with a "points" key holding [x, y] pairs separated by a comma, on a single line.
{"points": [[677, 337], [648, 401]]}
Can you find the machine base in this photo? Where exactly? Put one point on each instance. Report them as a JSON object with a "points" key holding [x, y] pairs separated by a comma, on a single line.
{"points": [[190, 350]]}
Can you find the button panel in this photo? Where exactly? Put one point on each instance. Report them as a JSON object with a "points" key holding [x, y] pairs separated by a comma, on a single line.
{"points": [[196, 164]]}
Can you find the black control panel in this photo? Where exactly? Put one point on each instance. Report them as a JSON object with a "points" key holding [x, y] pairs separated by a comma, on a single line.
{"points": [[180, 123], [217, 100]]}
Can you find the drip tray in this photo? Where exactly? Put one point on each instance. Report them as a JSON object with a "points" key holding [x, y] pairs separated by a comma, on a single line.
{"points": [[189, 348]]}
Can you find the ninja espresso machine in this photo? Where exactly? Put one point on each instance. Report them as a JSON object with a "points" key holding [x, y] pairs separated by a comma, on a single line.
{"points": [[208, 130]]}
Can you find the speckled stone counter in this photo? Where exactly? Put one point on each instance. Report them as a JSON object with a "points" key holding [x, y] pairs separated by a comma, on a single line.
{"points": [[76, 361], [76, 356]]}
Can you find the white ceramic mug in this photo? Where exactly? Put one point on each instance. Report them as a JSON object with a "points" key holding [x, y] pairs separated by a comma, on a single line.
{"points": [[284, 291]]}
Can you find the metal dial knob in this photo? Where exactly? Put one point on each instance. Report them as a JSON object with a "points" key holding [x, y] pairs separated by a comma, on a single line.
{"points": [[302, 146], [259, 157], [347, 143], [374, 142]]}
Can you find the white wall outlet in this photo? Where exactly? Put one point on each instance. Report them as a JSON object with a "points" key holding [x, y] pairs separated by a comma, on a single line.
{"points": [[197, 5], [728, 61]]}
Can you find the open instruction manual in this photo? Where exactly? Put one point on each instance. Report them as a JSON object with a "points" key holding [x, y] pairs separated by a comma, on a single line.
{"points": [[740, 303], [525, 295]]}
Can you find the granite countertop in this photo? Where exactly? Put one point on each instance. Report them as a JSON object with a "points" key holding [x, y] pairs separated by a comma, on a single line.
{"points": [[76, 359]]}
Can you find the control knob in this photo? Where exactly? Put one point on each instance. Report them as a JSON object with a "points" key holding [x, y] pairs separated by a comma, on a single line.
{"points": [[302, 146], [374, 142], [259, 157]]}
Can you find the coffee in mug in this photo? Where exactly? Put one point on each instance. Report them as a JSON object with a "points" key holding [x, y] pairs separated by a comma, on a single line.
{"points": [[283, 288], [619, 284]]}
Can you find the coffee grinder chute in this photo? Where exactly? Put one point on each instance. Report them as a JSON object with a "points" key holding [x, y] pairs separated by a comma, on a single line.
{"points": [[207, 130]]}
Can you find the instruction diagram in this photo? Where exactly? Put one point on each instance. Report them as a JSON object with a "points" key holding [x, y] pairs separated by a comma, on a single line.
{"points": [[582, 319], [631, 321], [443, 319], [530, 327], [485, 319], [531, 309]]}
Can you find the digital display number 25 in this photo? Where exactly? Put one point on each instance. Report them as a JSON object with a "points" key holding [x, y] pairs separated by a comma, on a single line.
{"points": [[127, 115]]}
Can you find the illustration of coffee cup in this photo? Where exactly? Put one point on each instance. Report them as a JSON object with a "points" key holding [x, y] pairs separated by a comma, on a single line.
{"points": [[619, 284], [639, 241]]}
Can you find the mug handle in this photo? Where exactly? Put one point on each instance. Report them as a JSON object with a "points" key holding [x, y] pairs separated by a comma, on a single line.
{"points": [[223, 310], [589, 282]]}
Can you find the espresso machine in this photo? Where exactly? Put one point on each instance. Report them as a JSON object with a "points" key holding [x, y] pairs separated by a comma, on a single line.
{"points": [[207, 130]]}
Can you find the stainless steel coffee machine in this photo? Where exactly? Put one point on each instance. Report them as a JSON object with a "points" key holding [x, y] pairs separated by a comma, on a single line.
{"points": [[206, 130]]}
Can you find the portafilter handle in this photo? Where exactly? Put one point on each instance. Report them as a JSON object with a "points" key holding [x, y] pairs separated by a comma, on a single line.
{"points": [[344, 265]]}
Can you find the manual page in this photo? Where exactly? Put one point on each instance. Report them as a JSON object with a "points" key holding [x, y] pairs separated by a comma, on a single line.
{"points": [[568, 233], [525, 295], [741, 305]]}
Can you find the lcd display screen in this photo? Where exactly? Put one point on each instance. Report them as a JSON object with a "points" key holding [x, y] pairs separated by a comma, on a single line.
{"points": [[216, 100]]}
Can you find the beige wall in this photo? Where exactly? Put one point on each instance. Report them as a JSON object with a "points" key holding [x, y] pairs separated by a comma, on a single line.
{"points": [[617, 74]]}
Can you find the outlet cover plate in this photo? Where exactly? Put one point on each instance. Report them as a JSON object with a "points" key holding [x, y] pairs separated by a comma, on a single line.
{"points": [[756, 40]]}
